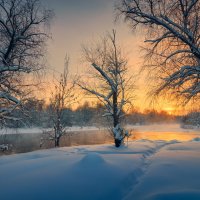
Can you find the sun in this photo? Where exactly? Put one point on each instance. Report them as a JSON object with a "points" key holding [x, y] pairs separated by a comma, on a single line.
{"points": [[169, 110]]}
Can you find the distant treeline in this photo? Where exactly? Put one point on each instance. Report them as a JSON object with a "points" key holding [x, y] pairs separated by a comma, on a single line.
{"points": [[38, 114], [193, 119]]}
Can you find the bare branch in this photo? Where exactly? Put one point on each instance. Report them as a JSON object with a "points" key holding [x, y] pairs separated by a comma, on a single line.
{"points": [[22, 46], [172, 42]]}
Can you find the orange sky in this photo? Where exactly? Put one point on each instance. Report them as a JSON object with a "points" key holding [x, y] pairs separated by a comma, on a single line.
{"points": [[79, 22]]}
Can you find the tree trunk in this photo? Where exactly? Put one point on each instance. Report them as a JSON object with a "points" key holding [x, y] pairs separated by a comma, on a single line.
{"points": [[57, 135], [115, 110], [118, 141], [57, 141]]}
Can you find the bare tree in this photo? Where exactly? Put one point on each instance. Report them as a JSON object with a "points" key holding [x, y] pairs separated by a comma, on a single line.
{"points": [[172, 42], [111, 84], [62, 97], [23, 35]]}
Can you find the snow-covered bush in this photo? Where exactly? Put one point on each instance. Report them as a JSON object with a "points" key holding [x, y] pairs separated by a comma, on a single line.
{"points": [[4, 147]]}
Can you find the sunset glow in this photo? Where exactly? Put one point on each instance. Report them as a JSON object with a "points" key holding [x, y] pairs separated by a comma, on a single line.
{"points": [[99, 99], [169, 110], [68, 34]]}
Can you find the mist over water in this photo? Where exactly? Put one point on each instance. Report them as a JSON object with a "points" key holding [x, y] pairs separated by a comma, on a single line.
{"points": [[25, 140], [165, 132]]}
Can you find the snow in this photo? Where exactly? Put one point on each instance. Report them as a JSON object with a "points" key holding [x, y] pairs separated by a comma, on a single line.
{"points": [[4, 147], [173, 174], [144, 169]]}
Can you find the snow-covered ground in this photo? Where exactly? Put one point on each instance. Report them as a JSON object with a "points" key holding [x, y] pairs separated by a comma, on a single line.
{"points": [[143, 170]]}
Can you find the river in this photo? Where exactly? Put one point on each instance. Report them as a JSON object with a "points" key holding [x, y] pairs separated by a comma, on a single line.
{"points": [[25, 140]]}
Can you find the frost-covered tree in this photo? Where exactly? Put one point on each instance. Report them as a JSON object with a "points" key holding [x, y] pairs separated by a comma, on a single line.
{"points": [[172, 42], [23, 35], [63, 96], [109, 81]]}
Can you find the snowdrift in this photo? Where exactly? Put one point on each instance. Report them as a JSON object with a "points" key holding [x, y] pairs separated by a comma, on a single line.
{"points": [[152, 170]]}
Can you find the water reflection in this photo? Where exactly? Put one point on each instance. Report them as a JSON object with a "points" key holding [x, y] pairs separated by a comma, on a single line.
{"points": [[166, 136], [30, 142], [166, 132]]}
